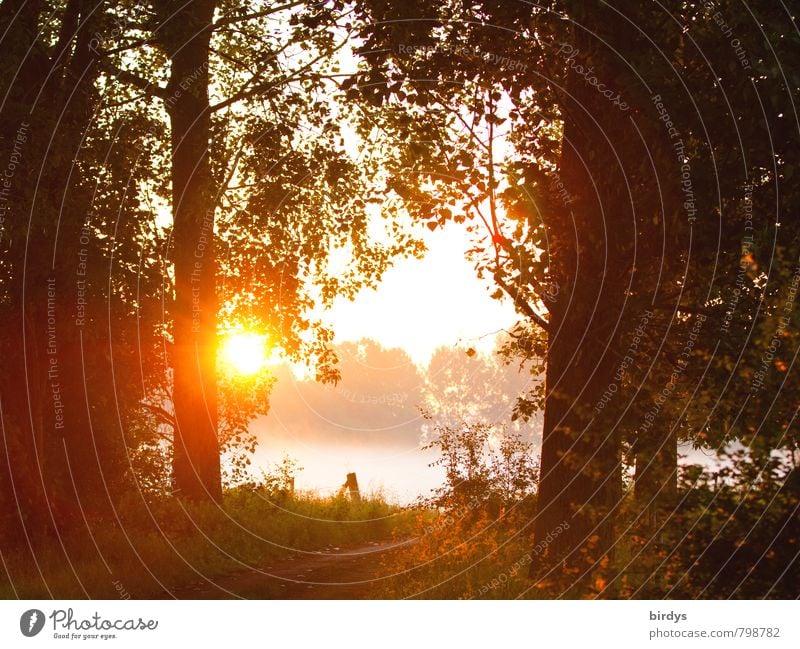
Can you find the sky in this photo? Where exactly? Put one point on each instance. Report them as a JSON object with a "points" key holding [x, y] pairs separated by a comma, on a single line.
{"points": [[422, 304]]}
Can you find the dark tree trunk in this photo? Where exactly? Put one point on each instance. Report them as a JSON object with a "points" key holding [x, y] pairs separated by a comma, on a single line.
{"points": [[618, 164], [656, 477], [55, 461], [592, 260], [580, 484], [89, 453], [185, 31], [20, 491]]}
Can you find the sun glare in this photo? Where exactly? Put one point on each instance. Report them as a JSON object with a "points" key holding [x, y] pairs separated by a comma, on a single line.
{"points": [[244, 353]]}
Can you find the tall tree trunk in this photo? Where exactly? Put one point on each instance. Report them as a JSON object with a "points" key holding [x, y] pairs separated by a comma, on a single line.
{"points": [[656, 477], [55, 461], [580, 484], [20, 492], [89, 455], [185, 32], [592, 249], [618, 164]]}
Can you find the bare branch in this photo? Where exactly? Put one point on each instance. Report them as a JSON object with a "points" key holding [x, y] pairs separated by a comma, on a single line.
{"points": [[521, 303], [131, 46], [244, 93]]}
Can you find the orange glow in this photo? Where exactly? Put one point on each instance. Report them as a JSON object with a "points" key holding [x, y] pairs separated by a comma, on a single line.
{"points": [[243, 352]]}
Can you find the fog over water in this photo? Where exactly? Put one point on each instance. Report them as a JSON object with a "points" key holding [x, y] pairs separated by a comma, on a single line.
{"points": [[371, 422]]}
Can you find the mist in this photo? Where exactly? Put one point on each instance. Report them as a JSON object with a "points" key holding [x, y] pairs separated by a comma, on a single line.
{"points": [[372, 422]]}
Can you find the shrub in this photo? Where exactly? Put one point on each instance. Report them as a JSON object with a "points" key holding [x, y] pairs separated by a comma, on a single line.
{"points": [[473, 532]]}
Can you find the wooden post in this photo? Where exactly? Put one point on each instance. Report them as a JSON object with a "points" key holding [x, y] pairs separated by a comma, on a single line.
{"points": [[352, 487]]}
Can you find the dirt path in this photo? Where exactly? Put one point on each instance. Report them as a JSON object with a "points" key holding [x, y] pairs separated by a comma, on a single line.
{"points": [[335, 573]]}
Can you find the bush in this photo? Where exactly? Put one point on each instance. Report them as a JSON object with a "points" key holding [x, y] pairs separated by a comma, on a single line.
{"points": [[473, 532]]}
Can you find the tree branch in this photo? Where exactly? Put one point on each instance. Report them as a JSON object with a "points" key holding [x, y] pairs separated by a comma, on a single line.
{"points": [[132, 45], [521, 303], [243, 93], [230, 20], [158, 411], [148, 87]]}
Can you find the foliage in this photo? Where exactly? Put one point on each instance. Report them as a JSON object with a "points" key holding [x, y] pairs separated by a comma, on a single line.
{"points": [[330, 123], [278, 481], [477, 525], [485, 466], [535, 235], [732, 534]]}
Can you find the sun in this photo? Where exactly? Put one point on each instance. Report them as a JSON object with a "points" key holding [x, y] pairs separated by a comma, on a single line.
{"points": [[244, 352]]}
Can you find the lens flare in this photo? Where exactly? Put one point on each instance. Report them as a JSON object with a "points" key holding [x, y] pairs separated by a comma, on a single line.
{"points": [[243, 352]]}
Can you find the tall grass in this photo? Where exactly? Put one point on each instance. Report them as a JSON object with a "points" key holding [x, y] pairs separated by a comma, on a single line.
{"points": [[167, 544], [475, 531], [466, 553]]}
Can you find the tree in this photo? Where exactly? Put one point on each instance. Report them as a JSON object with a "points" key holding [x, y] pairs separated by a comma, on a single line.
{"points": [[375, 402], [598, 183], [580, 466], [468, 386], [265, 194], [74, 251]]}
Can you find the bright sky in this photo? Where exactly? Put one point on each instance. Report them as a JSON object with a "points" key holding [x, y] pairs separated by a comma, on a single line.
{"points": [[420, 305], [425, 303]]}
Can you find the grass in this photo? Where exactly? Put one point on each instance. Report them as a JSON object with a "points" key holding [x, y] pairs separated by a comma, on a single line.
{"points": [[170, 544], [473, 555]]}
